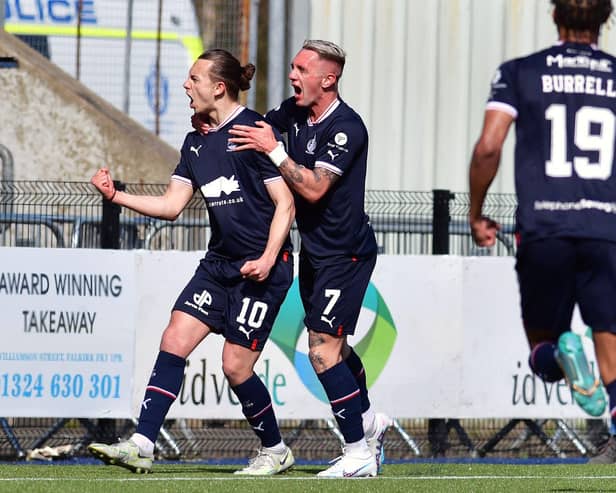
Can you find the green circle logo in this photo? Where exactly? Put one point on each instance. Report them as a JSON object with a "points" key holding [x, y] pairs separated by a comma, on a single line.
{"points": [[374, 348]]}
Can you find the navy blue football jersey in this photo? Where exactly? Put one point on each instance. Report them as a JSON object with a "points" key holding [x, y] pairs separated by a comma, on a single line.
{"points": [[564, 102], [337, 141], [233, 186]]}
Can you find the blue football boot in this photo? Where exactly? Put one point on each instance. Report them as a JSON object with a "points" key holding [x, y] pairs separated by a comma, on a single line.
{"points": [[587, 390]]}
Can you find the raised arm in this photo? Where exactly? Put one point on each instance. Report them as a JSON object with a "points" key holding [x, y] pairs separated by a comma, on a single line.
{"points": [[166, 206], [284, 215], [310, 184]]}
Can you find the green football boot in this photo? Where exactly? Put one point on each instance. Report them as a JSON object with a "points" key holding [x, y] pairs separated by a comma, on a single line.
{"points": [[124, 454], [587, 390]]}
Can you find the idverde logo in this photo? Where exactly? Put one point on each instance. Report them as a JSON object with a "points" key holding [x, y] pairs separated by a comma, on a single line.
{"points": [[374, 348]]}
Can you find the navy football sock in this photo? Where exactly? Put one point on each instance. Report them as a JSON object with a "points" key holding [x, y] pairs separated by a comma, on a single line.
{"points": [[357, 369], [610, 388], [344, 397], [257, 407], [163, 387], [543, 362]]}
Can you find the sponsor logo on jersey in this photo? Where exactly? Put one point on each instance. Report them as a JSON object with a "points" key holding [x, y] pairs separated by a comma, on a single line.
{"points": [[341, 138], [220, 185], [579, 62]]}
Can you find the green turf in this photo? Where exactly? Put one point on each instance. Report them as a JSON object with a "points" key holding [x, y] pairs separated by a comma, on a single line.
{"points": [[189, 478]]}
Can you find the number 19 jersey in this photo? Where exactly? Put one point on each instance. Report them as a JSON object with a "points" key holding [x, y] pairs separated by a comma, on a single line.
{"points": [[564, 101]]}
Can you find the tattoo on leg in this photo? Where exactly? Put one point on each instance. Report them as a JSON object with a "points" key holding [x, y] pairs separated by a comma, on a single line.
{"points": [[316, 359]]}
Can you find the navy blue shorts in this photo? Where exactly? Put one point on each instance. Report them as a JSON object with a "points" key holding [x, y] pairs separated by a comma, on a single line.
{"points": [[556, 273], [333, 293], [242, 310]]}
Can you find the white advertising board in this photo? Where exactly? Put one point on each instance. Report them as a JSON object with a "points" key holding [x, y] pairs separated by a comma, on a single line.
{"points": [[440, 336], [67, 322]]}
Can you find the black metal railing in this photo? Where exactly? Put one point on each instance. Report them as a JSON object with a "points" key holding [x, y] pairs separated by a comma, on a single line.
{"points": [[73, 215]]}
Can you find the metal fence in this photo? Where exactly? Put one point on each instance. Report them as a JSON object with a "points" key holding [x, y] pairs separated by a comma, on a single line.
{"points": [[71, 215]]}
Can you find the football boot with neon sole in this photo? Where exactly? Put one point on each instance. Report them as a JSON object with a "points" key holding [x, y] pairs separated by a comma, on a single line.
{"points": [[124, 454], [587, 390]]}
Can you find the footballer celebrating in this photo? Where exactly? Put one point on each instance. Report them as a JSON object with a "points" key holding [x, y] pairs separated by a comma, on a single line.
{"points": [[326, 169], [239, 285]]}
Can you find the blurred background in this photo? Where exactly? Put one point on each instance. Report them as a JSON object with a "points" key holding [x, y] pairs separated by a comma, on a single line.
{"points": [[417, 72]]}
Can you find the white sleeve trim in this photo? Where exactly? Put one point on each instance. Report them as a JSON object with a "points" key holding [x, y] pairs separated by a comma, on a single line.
{"points": [[267, 181], [181, 179], [504, 107], [328, 166]]}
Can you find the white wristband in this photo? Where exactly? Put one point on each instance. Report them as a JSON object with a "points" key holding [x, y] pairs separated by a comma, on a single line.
{"points": [[278, 155]]}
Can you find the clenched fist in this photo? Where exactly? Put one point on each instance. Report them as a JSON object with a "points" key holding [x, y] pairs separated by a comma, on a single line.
{"points": [[104, 184]]}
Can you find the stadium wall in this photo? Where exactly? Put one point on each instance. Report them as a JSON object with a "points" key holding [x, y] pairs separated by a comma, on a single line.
{"points": [[419, 71], [58, 129]]}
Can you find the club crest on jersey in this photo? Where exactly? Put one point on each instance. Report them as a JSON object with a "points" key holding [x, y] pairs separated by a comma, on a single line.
{"points": [[497, 80], [497, 76], [311, 145], [341, 138]]}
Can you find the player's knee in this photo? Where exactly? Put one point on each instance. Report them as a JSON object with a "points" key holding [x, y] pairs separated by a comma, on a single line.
{"points": [[171, 343], [231, 371], [235, 372]]}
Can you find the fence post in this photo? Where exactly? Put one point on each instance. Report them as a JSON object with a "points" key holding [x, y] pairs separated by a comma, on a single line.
{"points": [[440, 221], [105, 430], [110, 225], [438, 428]]}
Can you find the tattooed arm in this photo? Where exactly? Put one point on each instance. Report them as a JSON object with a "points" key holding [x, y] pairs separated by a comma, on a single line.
{"points": [[312, 184]]}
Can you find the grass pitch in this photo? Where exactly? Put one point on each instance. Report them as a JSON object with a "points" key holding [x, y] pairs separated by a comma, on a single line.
{"points": [[193, 478]]}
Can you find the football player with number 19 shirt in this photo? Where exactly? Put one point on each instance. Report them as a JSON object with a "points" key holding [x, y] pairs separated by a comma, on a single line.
{"points": [[563, 102]]}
